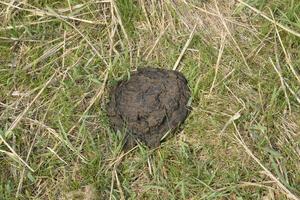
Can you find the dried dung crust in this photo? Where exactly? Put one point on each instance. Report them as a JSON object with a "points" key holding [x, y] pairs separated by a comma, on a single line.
{"points": [[152, 102]]}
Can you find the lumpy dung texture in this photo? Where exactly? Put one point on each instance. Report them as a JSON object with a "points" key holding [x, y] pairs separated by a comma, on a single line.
{"points": [[152, 102]]}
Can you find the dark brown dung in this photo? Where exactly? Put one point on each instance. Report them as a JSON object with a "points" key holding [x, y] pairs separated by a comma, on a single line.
{"points": [[152, 102]]}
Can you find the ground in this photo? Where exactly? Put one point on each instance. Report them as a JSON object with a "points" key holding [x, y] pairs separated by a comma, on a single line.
{"points": [[58, 60]]}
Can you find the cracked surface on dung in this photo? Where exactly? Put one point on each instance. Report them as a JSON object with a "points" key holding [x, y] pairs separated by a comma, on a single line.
{"points": [[148, 105]]}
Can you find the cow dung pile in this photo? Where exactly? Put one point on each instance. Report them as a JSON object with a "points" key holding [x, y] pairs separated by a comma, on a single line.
{"points": [[148, 105]]}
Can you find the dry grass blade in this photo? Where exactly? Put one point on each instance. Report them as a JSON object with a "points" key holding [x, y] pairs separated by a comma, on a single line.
{"points": [[93, 100], [53, 151], [112, 185], [25, 25], [269, 19], [184, 49], [118, 160], [236, 116], [231, 36], [239, 138], [18, 119], [122, 196], [156, 42], [24, 169], [47, 54], [43, 13], [293, 92], [119, 19], [14, 155], [278, 71], [221, 49], [20, 116], [57, 136], [287, 57], [83, 36]]}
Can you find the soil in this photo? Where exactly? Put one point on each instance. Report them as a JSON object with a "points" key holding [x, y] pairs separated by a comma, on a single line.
{"points": [[152, 102]]}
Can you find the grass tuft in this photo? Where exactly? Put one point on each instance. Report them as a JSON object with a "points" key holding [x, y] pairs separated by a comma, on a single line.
{"points": [[58, 60]]}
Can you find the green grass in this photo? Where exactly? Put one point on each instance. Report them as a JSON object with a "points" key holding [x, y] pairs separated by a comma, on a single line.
{"points": [[64, 134]]}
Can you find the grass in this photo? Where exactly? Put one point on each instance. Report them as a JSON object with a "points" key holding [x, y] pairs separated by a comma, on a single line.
{"points": [[59, 58]]}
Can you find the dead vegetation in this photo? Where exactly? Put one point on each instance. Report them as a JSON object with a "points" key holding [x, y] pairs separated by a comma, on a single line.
{"points": [[57, 59]]}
